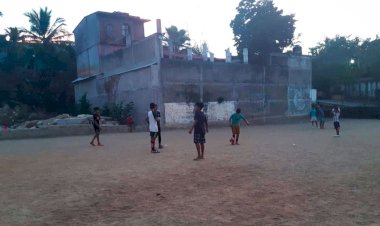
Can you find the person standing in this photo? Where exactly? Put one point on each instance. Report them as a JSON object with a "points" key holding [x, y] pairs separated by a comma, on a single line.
{"points": [[313, 117], [321, 117], [153, 127], [158, 115], [336, 116], [200, 127], [96, 123]]}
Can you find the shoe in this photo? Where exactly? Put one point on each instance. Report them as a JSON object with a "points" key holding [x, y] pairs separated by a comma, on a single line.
{"points": [[154, 151], [160, 147]]}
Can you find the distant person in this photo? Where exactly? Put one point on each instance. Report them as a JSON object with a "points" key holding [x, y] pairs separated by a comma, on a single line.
{"points": [[153, 127], [336, 116], [200, 127], [235, 126], [313, 117], [130, 123], [321, 117], [158, 115], [96, 123]]}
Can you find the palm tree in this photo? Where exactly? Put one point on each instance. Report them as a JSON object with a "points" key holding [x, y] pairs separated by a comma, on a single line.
{"points": [[14, 34], [177, 38], [40, 29]]}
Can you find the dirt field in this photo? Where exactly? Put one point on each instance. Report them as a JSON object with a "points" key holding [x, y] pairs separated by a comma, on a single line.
{"points": [[267, 180]]}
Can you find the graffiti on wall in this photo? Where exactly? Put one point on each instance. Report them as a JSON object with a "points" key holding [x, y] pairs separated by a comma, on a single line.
{"points": [[298, 101], [183, 113]]}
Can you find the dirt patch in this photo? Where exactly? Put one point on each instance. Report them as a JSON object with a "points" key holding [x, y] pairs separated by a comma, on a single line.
{"points": [[267, 180]]}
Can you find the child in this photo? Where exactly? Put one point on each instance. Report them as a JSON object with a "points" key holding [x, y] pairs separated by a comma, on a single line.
{"points": [[200, 127], [130, 123], [336, 115], [153, 127], [321, 117], [313, 117], [96, 124], [158, 115], [235, 126]]}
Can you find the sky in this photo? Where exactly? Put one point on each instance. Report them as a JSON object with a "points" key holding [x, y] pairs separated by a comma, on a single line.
{"points": [[209, 20]]}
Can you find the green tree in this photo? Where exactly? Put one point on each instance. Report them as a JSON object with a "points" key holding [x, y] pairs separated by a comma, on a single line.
{"points": [[178, 38], [262, 28], [40, 29], [15, 34], [199, 48]]}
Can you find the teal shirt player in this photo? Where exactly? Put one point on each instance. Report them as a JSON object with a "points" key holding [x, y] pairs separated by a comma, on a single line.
{"points": [[235, 119], [313, 113]]}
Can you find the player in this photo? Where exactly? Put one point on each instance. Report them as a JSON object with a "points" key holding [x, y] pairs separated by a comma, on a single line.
{"points": [[96, 123], [313, 117], [235, 126], [158, 115], [200, 127], [321, 117], [336, 116], [153, 127]]}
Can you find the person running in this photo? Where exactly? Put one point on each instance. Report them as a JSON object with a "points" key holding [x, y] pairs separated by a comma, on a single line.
{"points": [[96, 123], [158, 115], [200, 127], [313, 117], [153, 127], [336, 116], [235, 126], [321, 117]]}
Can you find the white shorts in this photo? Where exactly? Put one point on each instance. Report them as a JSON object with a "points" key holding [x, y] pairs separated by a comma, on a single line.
{"points": [[314, 119]]}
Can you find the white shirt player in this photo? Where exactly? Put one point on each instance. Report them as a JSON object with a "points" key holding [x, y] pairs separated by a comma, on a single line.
{"points": [[153, 127]]}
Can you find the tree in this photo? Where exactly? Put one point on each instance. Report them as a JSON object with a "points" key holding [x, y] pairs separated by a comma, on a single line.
{"points": [[14, 34], [1, 14], [40, 29], [262, 28], [178, 38], [199, 48]]}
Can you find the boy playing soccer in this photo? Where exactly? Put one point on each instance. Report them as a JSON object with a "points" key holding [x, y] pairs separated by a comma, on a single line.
{"points": [[200, 127], [96, 124], [235, 126], [336, 115], [313, 117], [321, 117], [153, 127]]}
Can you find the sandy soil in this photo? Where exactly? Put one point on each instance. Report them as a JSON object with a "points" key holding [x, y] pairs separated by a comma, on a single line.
{"points": [[267, 180]]}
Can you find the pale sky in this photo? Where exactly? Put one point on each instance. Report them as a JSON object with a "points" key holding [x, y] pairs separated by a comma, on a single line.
{"points": [[208, 20]]}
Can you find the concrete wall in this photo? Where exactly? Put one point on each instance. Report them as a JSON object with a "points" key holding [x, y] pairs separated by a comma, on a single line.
{"points": [[264, 93]]}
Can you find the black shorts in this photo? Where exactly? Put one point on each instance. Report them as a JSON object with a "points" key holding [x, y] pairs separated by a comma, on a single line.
{"points": [[97, 130], [199, 138], [153, 134], [336, 125]]}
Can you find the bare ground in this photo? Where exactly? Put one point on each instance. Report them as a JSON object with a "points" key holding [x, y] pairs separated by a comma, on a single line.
{"points": [[267, 180]]}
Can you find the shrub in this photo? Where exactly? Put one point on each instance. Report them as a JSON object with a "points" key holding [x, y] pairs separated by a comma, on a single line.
{"points": [[119, 111], [220, 100], [84, 106]]}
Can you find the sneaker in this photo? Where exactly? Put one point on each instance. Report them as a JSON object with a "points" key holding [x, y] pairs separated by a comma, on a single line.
{"points": [[154, 151]]}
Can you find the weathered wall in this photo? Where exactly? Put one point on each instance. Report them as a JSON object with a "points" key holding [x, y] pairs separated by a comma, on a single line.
{"points": [[183, 113], [279, 90]]}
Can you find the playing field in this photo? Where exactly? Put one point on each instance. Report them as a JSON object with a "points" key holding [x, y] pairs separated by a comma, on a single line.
{"points": [[321, 180]]}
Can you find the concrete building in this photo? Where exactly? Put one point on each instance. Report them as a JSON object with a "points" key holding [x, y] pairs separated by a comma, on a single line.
{"points": [[110, 70]]}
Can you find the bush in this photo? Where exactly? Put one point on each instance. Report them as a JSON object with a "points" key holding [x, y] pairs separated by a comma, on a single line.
{"points": [[11, 116], [220, 100], [84, 106], [119, 111]]}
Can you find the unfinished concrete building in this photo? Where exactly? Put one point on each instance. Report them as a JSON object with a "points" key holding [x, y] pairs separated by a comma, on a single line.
{"points": [[117, 63]]}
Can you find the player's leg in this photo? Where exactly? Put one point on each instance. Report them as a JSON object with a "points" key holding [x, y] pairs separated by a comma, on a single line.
{"points": [[198, 147], [159, 139], [202, 150]]}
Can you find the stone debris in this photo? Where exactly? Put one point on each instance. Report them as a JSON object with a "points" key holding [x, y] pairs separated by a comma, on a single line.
{"points": [[63, 120]]}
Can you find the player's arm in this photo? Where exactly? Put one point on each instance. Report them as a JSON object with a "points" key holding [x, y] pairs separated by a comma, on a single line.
{"points": [[245, 120], [192, 127], [230, 121], [206, 125]]}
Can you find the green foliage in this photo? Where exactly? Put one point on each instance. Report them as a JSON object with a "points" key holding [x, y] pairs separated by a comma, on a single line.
{"points": [[40, 29], [176, 37], [343, 60], [119, 111], [84, 106], [12, 115], [14, 34], [220, 100], [262, 28]]}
